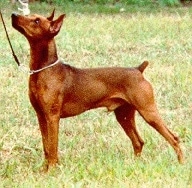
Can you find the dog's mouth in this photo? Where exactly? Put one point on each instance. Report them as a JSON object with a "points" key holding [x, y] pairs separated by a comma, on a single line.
{"points": [[15, 24]]}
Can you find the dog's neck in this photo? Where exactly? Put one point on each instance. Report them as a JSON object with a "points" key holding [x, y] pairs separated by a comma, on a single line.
{"points": [[43, 53]]}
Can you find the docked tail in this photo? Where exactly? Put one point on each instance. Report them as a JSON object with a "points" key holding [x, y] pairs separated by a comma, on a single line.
{"points": [[142, 67]]}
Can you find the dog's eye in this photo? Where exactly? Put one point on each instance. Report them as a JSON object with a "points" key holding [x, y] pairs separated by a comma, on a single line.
{"points": [[37, 21]]}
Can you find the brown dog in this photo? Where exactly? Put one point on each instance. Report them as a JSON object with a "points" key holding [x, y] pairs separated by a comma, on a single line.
{"points": [[57, 90]]}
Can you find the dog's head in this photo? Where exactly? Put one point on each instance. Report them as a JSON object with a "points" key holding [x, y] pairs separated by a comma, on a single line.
{"points": [[37, 27]]}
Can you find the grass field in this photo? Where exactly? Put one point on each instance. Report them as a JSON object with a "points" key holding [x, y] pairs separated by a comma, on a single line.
{"points": [[93, 149]]}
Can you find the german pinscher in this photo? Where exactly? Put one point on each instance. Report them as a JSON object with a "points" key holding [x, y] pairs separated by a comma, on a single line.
{"points": [[57, 90]]}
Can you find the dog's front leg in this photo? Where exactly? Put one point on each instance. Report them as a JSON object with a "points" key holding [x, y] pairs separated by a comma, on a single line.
{"points": [[49, 126], [51, 143], [44, 133]]}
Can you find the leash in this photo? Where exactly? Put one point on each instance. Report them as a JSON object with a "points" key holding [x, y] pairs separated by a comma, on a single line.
{"points": [[13, 53]]}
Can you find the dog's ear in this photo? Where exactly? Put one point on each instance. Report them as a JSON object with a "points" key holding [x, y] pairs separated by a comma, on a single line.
{"points": [[50, 18], [56, 25]]}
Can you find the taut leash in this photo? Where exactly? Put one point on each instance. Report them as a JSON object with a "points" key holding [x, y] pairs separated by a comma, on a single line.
{"points": [[13, 53]]}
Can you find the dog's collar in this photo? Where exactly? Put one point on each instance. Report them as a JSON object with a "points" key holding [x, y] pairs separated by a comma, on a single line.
{"points": [[39, 70]]}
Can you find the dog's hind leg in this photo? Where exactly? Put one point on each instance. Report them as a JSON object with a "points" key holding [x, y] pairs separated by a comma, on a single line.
{"points": [[153, 118], [125, 115], [145, 105]]}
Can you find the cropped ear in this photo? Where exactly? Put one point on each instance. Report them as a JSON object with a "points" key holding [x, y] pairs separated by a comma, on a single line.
{"points": [[50, 18], [56, 25]]}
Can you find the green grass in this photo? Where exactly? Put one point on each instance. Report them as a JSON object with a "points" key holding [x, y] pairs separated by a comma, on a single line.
{"points": [[93, 149]]}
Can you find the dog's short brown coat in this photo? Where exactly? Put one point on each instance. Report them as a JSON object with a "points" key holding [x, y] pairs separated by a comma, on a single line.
{"points": [[62, 90]]}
